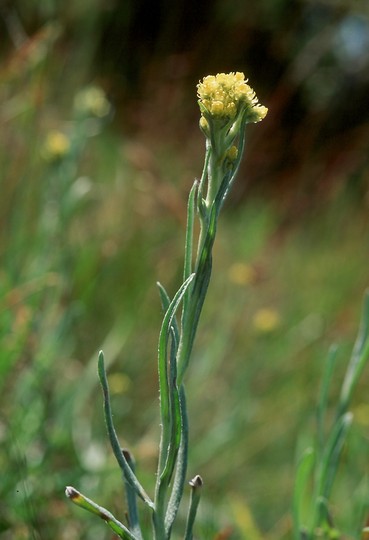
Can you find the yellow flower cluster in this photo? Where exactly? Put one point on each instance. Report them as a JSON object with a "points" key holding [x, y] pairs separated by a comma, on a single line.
{"points": [[56, 146], [224, 94], [266, 320], [92, 101]]}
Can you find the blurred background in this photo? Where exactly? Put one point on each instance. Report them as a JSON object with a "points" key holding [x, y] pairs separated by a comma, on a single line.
{"points": [[99, 148]]}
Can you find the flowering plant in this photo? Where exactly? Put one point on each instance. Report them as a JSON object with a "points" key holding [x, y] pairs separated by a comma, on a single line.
{"points": [[227, 103]]}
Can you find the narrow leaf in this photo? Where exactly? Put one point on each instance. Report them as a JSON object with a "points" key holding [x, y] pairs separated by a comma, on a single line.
{"points": [[128, 474], [303, 472], [324, 391], [190, 318], [175, 415], [196, 485], [360, 355], [181, 467], [174, 437], [87, 504], [163, 372], [332, 454], [187, 268], [241, 147], [165, 302]]}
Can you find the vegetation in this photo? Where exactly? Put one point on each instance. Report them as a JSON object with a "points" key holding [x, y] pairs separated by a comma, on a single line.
{"points": [[91, 217]]}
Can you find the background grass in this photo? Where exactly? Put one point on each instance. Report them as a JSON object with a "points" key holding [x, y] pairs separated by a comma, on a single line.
{"points": [[83, 239]]}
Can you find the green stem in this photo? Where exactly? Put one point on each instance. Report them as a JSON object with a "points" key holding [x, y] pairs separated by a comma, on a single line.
{"points": [[190, 318], [215, 175], [133, 518], [163, 372], [169, 408]]}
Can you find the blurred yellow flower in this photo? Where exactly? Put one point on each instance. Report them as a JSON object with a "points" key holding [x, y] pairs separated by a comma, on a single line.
{"points": [[119, 383], [243, 518], [224, 95], [361, 414], [266, 320], [92, 101], [241, 274], [56, 145]]}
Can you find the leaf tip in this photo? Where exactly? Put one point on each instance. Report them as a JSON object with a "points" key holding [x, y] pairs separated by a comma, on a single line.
{"points": [[196, 482], [71, 493]]}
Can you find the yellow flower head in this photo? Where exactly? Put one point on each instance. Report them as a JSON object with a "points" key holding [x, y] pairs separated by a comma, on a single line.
{"points": [[224, 95], [241, 274], [266, 320], [56, 146], [92, 101]]}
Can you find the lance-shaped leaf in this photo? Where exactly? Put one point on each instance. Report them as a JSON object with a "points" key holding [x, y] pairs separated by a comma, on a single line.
{"points": [[87, 504], [165, 302], [180, 453], [360, 356], [128, 474], [175, 434], [181, 468], [323, 397], [169, 408], [331, 456], [191, 316], [303, 472], [196, 485], [187, 267]]}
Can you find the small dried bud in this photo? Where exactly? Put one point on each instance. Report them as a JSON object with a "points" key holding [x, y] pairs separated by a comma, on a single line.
{"points": [[196, 482]]}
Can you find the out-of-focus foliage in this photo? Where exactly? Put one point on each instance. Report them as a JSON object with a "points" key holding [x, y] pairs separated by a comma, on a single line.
{"points": [[309, 59], [91, 215]]}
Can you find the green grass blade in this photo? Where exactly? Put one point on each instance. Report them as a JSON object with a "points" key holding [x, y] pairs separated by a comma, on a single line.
{"points": [[360, 355], [87, 504], [323, 397], [326, 525], [304, 469], [332, 455], [128, 474]]}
